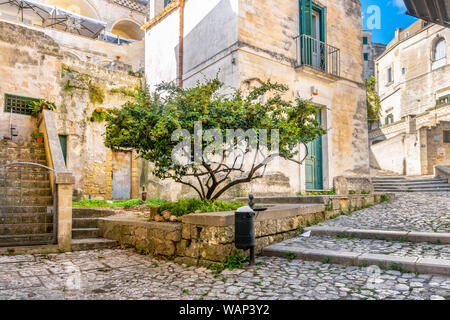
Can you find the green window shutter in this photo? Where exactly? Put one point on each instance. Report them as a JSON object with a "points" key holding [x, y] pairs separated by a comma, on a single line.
{"points": [[306, 7], [323, 24], [365, 40]]}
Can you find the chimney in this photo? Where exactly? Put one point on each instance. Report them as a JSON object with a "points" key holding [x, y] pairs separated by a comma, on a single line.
{"points": [[397, 33]]}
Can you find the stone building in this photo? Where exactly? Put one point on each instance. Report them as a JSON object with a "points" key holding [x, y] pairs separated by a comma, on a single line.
{"points": [[85, 56], [313, 47], [414, 87], [371, 51]]}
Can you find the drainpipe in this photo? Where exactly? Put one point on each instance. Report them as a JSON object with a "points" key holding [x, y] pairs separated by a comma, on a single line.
{"points": [[180, 46]]}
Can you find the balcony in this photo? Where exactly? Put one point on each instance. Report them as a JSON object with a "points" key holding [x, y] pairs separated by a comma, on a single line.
{"points": [[317, 55], [137, 5]]}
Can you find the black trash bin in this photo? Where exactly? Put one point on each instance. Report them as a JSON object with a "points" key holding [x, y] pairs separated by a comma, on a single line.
{"points": [[245, 230]]}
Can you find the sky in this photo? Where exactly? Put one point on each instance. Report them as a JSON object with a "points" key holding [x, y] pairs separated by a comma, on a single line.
{"points": [[389, 13]]}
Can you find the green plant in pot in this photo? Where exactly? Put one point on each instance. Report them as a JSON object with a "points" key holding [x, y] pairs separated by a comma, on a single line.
{"points": [[99, 115], [37, 136], [38, 106]]}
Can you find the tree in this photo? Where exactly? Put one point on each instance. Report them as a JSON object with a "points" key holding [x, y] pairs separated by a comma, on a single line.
{"points": [[373, 101], [162, 128]]}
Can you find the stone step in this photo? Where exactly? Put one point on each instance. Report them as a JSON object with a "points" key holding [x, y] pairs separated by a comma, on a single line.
{"points": [[92, 212], [18, 240], [21, 144], [85, 233], [32, 175], [415, 190], [430, 186], [385, 261], [5, 209], [93, 244], [17, 192], [27, 200], [390, 235], [82, 223], [25, 184], [408, 183], [8, 218]]}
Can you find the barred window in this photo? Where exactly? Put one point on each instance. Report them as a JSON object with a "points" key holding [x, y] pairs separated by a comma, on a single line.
{"points": [[18, 104]]}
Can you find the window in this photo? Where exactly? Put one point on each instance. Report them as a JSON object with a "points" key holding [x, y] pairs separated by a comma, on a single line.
{"points": [[389, 119], [366, 57], [167, 2], [365, 40], [18, 104], [439, 50], [389, 77], [443, 100], [312, 20], [446, 136], [403, 71]]}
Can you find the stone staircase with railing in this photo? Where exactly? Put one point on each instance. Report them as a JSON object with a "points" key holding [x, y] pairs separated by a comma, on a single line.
{"points": [[410, 184], [26, 199], [26, 202]]}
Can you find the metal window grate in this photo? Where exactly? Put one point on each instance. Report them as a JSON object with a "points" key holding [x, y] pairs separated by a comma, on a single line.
{"points": [[18, 104]]}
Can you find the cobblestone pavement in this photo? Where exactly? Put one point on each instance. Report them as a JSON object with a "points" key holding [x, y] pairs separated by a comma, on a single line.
{"points": [[426, 212], [410, 249], [121, 274]]}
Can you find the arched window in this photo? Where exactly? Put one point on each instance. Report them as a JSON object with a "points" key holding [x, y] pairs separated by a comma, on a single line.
{"points": [[439, 50], [127, 29]]}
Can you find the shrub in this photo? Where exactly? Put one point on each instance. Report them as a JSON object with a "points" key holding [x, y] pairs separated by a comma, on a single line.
{"points": [[186, 206], [115, 204]]}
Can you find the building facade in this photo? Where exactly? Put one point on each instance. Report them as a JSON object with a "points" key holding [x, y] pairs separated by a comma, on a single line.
{"points": [[371, 51], [414, 88], [85, 56], [314, 47]]}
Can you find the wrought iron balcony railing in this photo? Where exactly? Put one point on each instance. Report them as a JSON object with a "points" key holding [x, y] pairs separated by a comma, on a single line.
{"points": [[317, 54], [137, 5]]}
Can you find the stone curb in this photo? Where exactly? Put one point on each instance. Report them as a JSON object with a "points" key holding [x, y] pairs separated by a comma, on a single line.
{"points": [[413, 236], [411, 264]]}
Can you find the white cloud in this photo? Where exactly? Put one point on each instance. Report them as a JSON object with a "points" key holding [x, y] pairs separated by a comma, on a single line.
{"points": [[400, 4]]}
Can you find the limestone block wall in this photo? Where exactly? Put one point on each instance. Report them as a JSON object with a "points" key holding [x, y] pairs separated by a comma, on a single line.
{"points": [[35, 66], [205, 238], [435, 150]]}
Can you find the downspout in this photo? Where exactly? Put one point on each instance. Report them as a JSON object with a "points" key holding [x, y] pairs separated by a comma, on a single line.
{"points": [[180, 46]]}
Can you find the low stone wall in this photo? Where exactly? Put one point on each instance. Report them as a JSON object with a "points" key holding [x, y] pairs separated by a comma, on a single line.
{"points": [[442, 172], [204, 238]]}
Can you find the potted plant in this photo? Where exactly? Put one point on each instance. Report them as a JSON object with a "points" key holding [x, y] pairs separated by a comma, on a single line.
{"points": [[38, 106], [37, 136]]}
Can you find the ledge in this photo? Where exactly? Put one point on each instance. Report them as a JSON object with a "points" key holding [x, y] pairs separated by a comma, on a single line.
{"points": [[225, 219], [317, 73], [160, 16]]}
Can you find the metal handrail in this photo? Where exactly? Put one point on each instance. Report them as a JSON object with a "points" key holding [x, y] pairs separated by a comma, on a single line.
{"points": [[317, 54]]}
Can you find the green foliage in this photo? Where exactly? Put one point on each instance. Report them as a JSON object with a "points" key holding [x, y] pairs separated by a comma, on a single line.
{"points": [[366, 192], [234, 261], [99, 115], [96, 93], [351, 192], [186, 206], [113, 204], [385, 198], [134, 93], [36, 134], [373, 101], [38, 106], [290, 256], [318, 193], [146, 125]]}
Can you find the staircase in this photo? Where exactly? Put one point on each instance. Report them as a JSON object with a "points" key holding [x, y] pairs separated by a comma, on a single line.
{"points": [[85, 231], [26, 199], [410, 184], [26, 203]]}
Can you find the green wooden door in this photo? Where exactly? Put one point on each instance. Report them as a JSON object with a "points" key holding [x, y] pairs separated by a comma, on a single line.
{"points": [[313, 164], [63, 142]]}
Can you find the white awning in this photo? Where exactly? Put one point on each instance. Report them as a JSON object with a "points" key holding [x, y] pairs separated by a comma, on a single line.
{"points": [[53, 17]]}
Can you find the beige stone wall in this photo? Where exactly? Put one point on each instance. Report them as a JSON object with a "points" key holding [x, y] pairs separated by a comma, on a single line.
{"points": [[435, 150], [35, 67]]}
